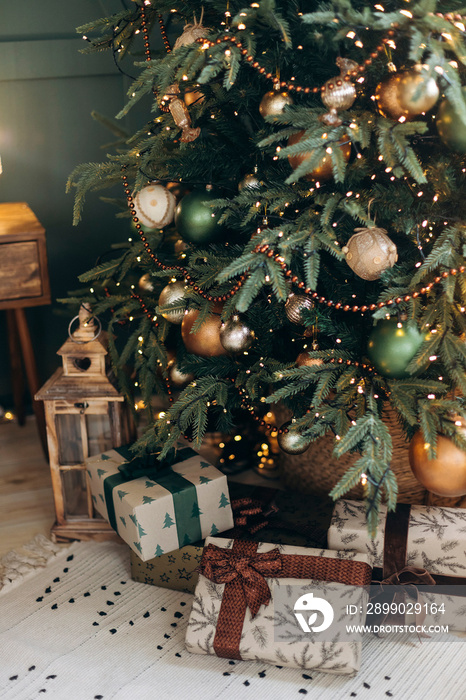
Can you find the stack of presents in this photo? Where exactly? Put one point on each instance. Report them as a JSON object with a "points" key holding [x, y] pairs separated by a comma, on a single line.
{"points": [[254, 557]]}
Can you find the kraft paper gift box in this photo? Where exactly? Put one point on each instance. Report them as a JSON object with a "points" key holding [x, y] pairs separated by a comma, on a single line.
{"points": [[247, 594], [285, 518], [156, 510], [435, 537]]}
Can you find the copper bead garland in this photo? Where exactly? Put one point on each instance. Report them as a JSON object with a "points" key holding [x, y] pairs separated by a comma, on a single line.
{"points": [[370, 252], [324, 170], [204, 342], [446, 474]]}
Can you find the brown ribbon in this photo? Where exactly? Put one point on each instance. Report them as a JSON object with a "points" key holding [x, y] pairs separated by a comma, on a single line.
{"points": [[243, 571], [252, 514]]}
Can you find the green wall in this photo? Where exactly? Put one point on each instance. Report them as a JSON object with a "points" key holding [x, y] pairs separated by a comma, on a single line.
{"points": [[47, 92]]}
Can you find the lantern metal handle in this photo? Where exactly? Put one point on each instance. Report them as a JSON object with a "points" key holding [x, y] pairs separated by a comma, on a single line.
{"points": [[85, 312]]}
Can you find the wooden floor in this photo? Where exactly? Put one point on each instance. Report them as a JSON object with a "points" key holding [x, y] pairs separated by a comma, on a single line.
{"points": [[26, 500]]}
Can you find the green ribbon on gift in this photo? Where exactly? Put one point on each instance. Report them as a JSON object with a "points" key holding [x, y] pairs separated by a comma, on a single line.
{"points": [[187, 520]]}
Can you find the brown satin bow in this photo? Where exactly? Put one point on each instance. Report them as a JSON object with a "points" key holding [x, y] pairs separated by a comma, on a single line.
{"points": [[252, 514], [410, 575], [224, 565]]}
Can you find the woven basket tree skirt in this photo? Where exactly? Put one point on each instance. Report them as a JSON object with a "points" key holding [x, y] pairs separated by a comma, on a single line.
{"points": [[79, 628]]}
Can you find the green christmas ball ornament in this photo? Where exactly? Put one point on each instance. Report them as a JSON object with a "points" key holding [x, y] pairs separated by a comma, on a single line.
{"points": [[391, 347], [195, 221], [450, 126], [291, 439]]}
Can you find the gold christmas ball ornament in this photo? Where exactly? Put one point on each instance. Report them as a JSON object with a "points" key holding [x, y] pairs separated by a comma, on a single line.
{"points": [[446, 474], [294, 307], [193, 97], [274, 102], [204, 342], [304, 358], [450, 126], [235, 335], [291, 439], [145, 283], [177, 378], [155, 206], [406, 94], [249, 182], [324, 169], [173, 292], [370, 252]]}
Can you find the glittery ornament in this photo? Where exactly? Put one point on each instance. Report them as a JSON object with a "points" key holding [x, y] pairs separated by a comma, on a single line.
{"points": [[338, 93], [294, 307], [191, 33], [292, 442], [324, 170], [446, 474], [369, 252], [154, 206], [406, 94], [235, 335], [173, 292], [204, 342], [274, 102], [180, 115], [145, 283]]}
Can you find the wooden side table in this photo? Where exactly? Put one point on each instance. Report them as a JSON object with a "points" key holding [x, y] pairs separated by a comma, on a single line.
{"points": [[24, 282]]}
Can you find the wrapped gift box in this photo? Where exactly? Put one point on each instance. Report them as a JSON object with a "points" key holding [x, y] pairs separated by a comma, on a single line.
{"points": [[157, 510], [285, 518], [247, 594], [436, 537]]}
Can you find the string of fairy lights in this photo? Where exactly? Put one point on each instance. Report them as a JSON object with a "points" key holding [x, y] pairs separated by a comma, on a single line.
{"points": [[265, 248]]}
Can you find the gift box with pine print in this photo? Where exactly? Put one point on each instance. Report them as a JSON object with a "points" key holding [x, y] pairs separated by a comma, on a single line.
{"points": [[159, 507]]}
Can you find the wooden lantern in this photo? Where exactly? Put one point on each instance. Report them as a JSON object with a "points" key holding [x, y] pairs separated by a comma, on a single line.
{"points": [[85, 415]]}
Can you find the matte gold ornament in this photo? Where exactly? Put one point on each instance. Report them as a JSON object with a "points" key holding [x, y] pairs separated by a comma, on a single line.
{"points": [[446, 474], [294, 307], [235, 335], [324, 170], [249, 182], [274, 102], [304, 358], [177, 378], [205, 342], [292, 442], [145, 283], [173, 292], [338, 93], [406, 94], [370, 252], [154, 206]]}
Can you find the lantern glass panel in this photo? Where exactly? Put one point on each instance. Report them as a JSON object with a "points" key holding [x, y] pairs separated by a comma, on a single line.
{"points": [[70, 447], [99, 433], [75, 492]]}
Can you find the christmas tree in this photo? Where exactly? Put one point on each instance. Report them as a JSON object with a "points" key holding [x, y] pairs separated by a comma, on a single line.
{"points": [[297, 225]]}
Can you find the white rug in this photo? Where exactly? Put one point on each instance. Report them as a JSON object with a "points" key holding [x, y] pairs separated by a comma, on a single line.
{"points": [[79, 628]]}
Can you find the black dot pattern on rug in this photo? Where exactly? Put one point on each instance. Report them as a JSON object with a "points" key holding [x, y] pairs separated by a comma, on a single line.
{"points": [[113, 631], [174, 624], [278, 666], [54, 606], [98, 697], [40, 599], [261, 674], [104, 588], [48, 589], [183, 603], [303, 691], [122, 583], [306, 677], [116, 593], [226, 673], [178, 614], [42, 690], [96, 624], [131, 623], [65, 570], [13, 678], [163, 609], [146, 614], [101, 612], [159, 647], [389, 694], [232, 663], [110, 602], [246, 683], [178, 654], [56, 580], [353, 695], [71, 600], [31, 668], [167, 636], [387, 678], [366, 685], [87, 594], [51, 677]]}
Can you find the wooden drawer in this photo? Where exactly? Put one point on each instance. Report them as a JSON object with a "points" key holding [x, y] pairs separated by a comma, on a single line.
{"points": [[23, 258]]}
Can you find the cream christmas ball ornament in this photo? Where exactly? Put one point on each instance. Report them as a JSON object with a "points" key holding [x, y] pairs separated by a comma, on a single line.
{"points": [[155, 206]]}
